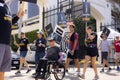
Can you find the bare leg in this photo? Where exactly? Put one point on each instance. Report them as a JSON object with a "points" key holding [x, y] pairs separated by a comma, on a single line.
{"points": [[103, 64], [107, 63], [77, 64], [116, 62], [1, 75], [94, 65], [26, 64], [21, 63], [67, 63], [87, 58]]}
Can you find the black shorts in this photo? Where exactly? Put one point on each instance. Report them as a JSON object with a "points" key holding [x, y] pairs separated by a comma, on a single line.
{"points": [[92, 52], [75, 56], [104, 55]]}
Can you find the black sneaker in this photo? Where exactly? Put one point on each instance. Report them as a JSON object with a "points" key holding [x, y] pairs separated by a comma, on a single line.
{"points": [[18, 72], [28, 70], [109, 70], [66, 71], [118, 69], [39, 76], [102, 71]]}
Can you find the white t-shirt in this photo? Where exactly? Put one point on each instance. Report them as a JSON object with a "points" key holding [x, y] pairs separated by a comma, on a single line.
{"points": [[105, 46]]}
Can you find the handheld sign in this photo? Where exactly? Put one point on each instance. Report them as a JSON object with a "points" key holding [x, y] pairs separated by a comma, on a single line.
{"points": [[49, 29], [106, 32]]}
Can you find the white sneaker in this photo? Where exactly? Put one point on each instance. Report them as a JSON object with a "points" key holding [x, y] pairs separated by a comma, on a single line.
{"points": [[78, 73], [96, 78], [82, 76]]}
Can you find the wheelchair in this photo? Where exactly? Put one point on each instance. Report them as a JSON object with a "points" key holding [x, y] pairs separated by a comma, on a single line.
{"points": [[51, 67]]}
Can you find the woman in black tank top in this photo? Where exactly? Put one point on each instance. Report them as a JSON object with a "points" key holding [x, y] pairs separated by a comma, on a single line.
{"points": [[92, 52]]}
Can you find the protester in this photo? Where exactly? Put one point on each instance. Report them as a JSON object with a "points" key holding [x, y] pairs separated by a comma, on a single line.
{"points": [[73, 46], [40, 47], [105, 52], [5, 33], [24, 48], [40, 44], [92, 51], [52, 54], [117, 52]]}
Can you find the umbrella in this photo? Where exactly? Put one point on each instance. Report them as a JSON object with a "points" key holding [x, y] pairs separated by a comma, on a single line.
{"points": [[112, 34]]}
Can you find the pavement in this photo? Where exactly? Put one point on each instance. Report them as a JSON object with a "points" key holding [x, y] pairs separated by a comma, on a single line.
{"points": [[71, 75]]}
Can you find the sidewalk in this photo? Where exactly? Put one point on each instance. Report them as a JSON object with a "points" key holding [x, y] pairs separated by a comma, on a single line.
{"points": [[71, 75]]}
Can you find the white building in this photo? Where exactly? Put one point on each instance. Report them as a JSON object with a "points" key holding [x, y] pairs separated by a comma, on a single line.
{"points": [[100, 10]]}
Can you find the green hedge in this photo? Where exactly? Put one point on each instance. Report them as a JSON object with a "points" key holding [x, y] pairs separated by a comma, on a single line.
{"points": [[31, 35]]}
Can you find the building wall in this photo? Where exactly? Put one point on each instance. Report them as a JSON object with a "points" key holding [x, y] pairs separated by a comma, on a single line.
{"points": [[33, 10], [14, 7]]}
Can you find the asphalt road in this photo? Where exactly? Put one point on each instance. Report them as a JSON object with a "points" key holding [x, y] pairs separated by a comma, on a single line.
{"points": [[71, 75]]}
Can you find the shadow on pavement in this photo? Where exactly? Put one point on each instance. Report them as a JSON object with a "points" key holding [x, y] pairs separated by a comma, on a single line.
{"points": [[71, 76], [112, 74]]}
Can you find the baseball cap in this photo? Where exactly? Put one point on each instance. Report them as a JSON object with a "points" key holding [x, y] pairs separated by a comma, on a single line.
{"points": [[40, 32], [51, 39], [72, 25]]}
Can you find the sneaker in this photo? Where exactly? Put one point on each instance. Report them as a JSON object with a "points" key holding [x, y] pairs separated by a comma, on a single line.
{"points": [[28, 70], [39, 76], [34, 74], [66, 71], [102, 71], [78, 73], [18, 72], [109, 70], [96, 77], [82, 76], [118, 69]]}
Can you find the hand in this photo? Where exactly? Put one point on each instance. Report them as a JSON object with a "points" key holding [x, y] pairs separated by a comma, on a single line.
{"points": [[72, 52], [85, 40], [67, 41], [29, 51], [40, 44], [20, 13], [15, 42]]}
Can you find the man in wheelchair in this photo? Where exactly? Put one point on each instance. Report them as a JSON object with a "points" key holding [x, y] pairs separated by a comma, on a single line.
{"points": [[52, 54]]}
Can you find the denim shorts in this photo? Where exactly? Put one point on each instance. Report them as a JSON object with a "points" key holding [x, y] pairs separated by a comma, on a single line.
{"points": [[23, 54]]}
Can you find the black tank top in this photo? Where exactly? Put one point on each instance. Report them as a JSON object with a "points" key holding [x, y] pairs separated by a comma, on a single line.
{"points": [[92, 43]]}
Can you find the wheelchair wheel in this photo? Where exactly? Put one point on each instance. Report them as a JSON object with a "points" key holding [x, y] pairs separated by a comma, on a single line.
{"points": [[47, 76], [59, 71]]}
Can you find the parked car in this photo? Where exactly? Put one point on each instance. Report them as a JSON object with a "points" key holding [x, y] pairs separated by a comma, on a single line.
{"points": [[15, 60], [31, 55]]}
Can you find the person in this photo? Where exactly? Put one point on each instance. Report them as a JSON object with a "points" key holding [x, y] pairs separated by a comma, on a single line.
{"points": [[40, 44], [6, 22], [40, 47], [105, 51], [52, 54], [24, 48], [73, 46], [52, 51], [92, 51], [117, 51]]}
